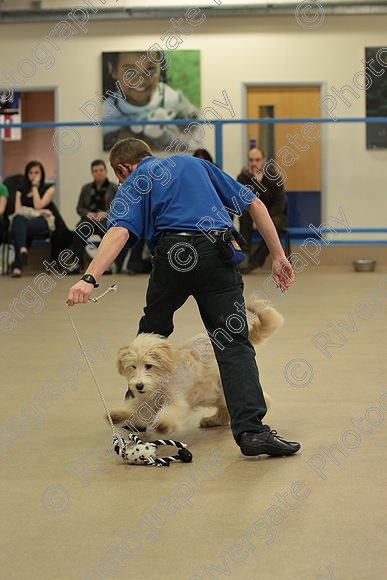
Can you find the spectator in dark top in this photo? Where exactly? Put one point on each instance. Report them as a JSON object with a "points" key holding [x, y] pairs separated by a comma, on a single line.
{"points": [[94, 201], [3, 205], [203, 154], [271, 192], [35, 213]]}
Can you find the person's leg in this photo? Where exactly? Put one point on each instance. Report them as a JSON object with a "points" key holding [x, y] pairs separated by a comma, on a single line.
{"points": [[246, 229], [167, 291], [221, 305], [135, 258], [119, 261], [258, 258], [19, 235], [220, 299], [61, 239], [36, 227], [83, 231]]}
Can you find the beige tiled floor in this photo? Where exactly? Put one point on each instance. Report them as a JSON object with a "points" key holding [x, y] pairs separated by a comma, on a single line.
{"points": [[71, 510]]}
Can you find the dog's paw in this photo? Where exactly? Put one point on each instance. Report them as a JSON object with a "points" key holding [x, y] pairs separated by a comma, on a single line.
{"points": [[164, 428], [208, 422], [117, 417], [134, 428]]}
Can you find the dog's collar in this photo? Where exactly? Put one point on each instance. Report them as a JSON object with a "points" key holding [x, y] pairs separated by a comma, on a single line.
{"points": [[129, 394]]}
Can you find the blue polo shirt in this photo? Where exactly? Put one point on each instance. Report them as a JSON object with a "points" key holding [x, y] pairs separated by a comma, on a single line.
{"points": [[180, 193]]}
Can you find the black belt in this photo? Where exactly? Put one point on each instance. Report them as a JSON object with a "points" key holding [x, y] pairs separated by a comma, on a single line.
{"points": [[193, 233]]}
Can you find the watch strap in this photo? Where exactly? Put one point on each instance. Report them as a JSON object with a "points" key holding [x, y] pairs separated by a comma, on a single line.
{"points": [[89, 278]]}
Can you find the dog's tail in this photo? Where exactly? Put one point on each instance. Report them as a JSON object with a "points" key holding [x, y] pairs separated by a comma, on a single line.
{"points": [[267, 321]]}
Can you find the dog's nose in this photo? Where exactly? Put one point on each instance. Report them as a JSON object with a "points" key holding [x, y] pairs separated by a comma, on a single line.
{"points": [[139, 386]]}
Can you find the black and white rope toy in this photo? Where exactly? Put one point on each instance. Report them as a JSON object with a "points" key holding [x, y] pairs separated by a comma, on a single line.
{"points": [[134, 451], [130, 448]]}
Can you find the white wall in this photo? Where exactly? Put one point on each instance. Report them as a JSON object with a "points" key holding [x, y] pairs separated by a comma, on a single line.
{"points": [[234, 51]]}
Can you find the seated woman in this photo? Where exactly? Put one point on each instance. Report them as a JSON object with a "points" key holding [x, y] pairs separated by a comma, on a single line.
{"points": [[34, 215], [3, 205], [203, 154]]}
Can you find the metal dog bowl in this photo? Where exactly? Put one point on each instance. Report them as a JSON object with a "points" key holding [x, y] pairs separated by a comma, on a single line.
{"points": [[364, 265]]}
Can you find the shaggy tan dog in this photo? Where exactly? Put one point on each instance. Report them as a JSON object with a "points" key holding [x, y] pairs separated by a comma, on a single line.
{"points": [[165, 382]]}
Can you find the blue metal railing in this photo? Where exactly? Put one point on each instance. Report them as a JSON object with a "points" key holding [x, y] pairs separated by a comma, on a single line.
{"points": [[216, 123]]}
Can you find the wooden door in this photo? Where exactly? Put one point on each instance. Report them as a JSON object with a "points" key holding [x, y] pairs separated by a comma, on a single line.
{"points": [[295, 147], [36, 143]]}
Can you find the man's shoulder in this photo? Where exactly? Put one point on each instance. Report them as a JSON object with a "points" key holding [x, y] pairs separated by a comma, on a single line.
{"points": [[87, 187], [111, 186], [244, 176]]}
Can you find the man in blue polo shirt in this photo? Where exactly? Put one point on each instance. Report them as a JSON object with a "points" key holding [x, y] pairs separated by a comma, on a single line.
{"points": [[180, 206]]}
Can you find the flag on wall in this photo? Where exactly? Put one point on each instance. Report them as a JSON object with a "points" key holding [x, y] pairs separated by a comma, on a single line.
{"points": [[10, 113]]}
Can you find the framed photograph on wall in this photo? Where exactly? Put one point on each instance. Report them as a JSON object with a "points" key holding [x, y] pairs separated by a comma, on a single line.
{"points": [[376, 96], [157, 85], [10, 113]]}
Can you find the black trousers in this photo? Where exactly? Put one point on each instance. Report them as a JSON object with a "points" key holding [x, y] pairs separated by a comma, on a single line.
{"points": [[190, 266], [24, 231], [84, 230], [258, 257]]}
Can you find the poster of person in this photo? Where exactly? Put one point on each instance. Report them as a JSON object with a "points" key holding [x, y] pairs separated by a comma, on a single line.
{"points": [[156, 85], [376, 88], [10, 113]]}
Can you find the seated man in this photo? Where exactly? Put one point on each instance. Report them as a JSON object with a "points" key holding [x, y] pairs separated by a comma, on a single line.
{"points": [[93, 203], [271, 192]]}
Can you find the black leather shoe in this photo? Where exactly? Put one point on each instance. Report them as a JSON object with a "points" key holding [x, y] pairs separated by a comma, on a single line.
{"points": [[266, 443]]}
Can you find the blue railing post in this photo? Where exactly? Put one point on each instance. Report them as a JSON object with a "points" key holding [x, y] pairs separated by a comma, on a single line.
{"points": [[219, 143]]}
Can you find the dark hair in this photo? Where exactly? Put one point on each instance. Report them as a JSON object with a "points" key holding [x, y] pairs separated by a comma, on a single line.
{"points": [[258, 148], [203, 154], [29, 166], [26, 185], [97, 162], [109, 82]]}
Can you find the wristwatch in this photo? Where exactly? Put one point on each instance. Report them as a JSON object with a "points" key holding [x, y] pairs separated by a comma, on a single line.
{"points": [[90, 280]]}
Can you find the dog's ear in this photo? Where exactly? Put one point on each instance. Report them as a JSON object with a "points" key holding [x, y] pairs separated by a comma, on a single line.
{"points": [[162, 353], [123, 360]]}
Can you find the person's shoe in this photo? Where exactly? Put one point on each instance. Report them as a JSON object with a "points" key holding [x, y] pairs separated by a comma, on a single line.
{"points": [[266, 443], [16, 273]]}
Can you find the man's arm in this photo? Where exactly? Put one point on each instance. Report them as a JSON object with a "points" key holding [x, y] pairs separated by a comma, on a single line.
{"points": [[82, 210], [112, 243], [282, 270]]}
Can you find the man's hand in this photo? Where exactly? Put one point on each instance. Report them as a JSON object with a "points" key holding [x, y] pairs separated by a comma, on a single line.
{"points": [[79, 293], [92, 215], [282, 273], [101, 215]]}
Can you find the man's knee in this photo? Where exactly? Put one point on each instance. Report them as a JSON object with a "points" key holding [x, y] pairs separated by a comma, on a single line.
{"points": [[146, 326]]}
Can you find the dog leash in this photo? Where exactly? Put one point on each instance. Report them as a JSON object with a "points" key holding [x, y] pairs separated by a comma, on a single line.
{"points": [[112, 288], [144, 453]]}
